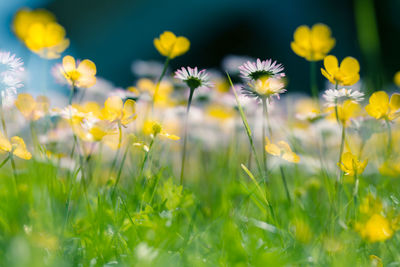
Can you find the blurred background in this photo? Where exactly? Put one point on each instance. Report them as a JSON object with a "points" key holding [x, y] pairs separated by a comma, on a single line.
{"points": [[115, 33]]}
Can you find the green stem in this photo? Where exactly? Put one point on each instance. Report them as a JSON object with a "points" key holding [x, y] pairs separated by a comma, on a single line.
{"points": [[4, 161], [185, 134], [160, 79], [286, 186], [120, 170], [313, 79], [389, 145], [146, 156], [114, 163]]}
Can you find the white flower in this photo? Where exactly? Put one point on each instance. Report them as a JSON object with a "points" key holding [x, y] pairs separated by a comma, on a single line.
{"points": [[258, 69], [193, 78], [334, 97], [11, 70], [264, 88]]}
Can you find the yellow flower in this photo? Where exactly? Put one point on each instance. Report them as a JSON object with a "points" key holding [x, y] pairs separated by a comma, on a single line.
{"points": [[81, 76], [154, 128], [16, 146], [397, 79], [282, 150], [265, 87], [345, 111], [220, 112], [46, 39], [312, 44], [165, 89], [351, 165], [30, 108], [25, 17], [346, 74], [391, 167], [116, 111], [170, 45], [380, 107], [376, 229]]}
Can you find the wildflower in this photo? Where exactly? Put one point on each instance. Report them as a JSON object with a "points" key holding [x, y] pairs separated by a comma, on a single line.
{"points": [[11, 71], [264, 87], [15, 146], [261, 69], [345, 111], [391, 167], [380, 107], [351, 165], [115, 110], [47, 40], [30, 108], [220, 112], [81, 76], [26, 17], [334, 97], [308, 110], [165, 89], [94, 130], [396, 79], [171, 46], [346, 74], [312, 44], [193, 78], [376, 229], [154, 128], [282, 150]]}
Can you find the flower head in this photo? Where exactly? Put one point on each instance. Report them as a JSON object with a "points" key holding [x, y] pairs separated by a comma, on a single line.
{"points": [[15, 146], [380, 107], [170, 45], [396, 78], [335, 97], [346, 74], [376, 229], [11, 71], [259, 69], [81, 75], [25, 17], [282, 150], [264, 87], [115, 110], [193, 78], [351, 165], [345, 111], [312, 44], [30, 108], [154, 128]]}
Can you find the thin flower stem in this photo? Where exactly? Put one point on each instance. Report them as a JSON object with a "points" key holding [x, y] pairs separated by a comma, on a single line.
{"points": [[389, 145], [146, 156], [4, 161], [114, 163], [313, 79], [185, 134], [120, 170], [265, 114], [286, 186], [246, 126], [160, 79]]}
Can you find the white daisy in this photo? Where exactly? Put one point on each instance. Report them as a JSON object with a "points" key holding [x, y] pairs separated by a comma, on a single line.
{"points": [[264, 88], [193, 78], [10, 63], [334, 97], [11, 71], [258, 69]]}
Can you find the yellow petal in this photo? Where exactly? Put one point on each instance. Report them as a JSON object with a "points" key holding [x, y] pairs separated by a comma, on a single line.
{"points": [[302, 36], [112, 108], [349, 66], [20, 148], [5, 145], [160, 48], [331, 64], [272, 148], [26, 104], [128, 111], [69, 64], [87, 67], [181, 46], [378, 106], [395, 102]]}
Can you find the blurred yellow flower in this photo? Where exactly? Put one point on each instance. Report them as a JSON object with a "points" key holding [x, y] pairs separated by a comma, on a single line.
{"points": [[25, 17], [370, 204], [391, 167], [30, 108], [345, 111], [376, 229], [220, 112], [165, 89], [170, 45], [351, 165], [47, 40], [282, 150], [346, 74], [265, 87], [154, 128], [15, 146], [81, 76], [380, 107], [397, 78], [116, 111], [312, 44]]}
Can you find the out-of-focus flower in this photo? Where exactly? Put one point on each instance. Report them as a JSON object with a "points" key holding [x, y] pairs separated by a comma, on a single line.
{"points": [[47, 40], [115, 110], [345, 111], [81, 76], [149, 69], [220, 112], [264, 87], [261, 69], [391, 167], [30, 108], [154, 128], [380, 107], [171, 46], [376, 229], [94, 130], [301, 230], [351, 165], [11, 71], [193, 78], [16, 146], [335, 97], [308, 110], [231, 63], [346, 74], [396, 78], [25, 17], [282, 150], [312, 44], [165, 89]]}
